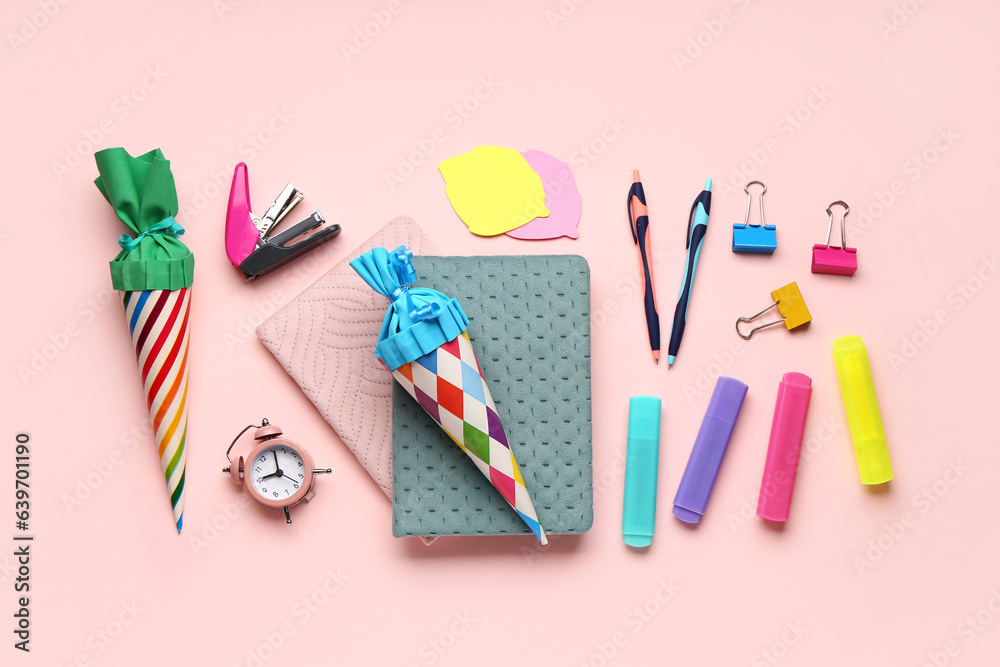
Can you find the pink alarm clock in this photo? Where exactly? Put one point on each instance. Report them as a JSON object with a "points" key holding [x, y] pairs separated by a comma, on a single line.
{"points": [[277, 472]]}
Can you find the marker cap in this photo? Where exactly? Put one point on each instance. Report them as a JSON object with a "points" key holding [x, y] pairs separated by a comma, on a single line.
{"points": [[784, 446], [861, 405], [641, 467], [709, 449]]}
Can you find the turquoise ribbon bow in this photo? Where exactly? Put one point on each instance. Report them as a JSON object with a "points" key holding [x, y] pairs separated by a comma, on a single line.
{"points": [[166, 226], [419, 320]]}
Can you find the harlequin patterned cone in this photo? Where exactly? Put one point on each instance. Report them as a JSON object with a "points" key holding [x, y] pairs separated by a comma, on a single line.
{"points": [[449, 384], [158, 321]]}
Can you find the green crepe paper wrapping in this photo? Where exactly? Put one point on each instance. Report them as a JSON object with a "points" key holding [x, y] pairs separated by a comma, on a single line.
{"points": [[142, 192]]}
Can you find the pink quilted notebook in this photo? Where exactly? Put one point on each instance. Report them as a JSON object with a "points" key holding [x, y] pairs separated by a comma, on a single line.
{"points": [[325, 339]]}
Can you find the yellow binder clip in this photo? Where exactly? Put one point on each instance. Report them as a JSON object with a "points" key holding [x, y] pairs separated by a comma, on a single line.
{"points": [[791, 306]]}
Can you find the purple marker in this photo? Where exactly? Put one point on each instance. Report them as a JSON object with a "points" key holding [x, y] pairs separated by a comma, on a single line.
{"points": [[709, 449]]}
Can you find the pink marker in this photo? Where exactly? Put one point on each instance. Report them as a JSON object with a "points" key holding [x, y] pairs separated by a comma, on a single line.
{"points": [[787, 427]]}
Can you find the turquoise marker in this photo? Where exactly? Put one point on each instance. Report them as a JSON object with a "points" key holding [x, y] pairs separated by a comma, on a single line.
{"points": [[642, 461], [697, 226]]}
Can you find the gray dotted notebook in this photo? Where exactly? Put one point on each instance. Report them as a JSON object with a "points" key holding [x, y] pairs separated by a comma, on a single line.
{"points": [[529, 322]]}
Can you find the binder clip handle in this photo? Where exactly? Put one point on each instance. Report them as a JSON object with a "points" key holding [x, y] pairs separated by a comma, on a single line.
{"points": [[843, 223], [841, 261], [759, 327], [752, 237], [791, 306], [760, 204]]}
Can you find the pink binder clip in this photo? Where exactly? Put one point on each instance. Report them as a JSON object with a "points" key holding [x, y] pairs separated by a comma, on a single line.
{"points": [[783, 449], [842, 261]]}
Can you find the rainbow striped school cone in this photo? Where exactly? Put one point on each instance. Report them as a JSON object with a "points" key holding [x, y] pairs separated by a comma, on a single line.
{"points": [[424, 343], [154, 272], [159, 324]]}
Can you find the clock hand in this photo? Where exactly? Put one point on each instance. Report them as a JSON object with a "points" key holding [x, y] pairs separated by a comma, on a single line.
{"points": [[287, 477], [276, 464], [276, 473]]}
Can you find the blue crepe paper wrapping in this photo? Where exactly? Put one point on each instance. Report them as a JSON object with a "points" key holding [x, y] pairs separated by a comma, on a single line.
{"points": [[418, 320]]}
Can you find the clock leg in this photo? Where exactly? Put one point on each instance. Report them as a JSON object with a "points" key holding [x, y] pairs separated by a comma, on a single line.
{"points": [[288, 517]]}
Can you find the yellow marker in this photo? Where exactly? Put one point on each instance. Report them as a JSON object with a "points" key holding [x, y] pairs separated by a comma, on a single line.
{"points": [[493, 189], [861, 405]]}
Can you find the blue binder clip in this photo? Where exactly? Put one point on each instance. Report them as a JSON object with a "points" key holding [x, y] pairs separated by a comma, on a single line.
{"points": [[754, 238]]}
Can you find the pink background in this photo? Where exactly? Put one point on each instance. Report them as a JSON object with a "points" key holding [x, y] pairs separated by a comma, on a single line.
{"points": [[856, 577]]}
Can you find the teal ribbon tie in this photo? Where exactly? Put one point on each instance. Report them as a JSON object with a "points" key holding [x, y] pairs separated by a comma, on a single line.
{"points": [[419, 319], [166, 226]]}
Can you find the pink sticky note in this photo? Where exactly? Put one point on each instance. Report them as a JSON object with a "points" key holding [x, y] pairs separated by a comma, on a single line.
{"points": [[562, 198]]}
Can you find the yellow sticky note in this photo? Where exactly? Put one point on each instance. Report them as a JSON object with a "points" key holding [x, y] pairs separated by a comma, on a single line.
{"points": [[493, 189]]}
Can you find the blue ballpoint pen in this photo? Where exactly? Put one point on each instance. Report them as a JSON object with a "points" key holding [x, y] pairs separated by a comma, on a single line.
{"points": [[697, 226]]}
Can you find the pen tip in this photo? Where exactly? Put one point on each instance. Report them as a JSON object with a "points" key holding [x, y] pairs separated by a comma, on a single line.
{"points": [[657, 361], [635, 175], [669, 365]]}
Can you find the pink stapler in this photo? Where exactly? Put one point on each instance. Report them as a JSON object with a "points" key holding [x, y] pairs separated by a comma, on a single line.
{"points": [[842, 261], [248, 242]]}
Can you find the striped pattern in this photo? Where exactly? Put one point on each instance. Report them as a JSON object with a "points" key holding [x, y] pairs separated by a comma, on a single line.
{"points": [[159, 325]]}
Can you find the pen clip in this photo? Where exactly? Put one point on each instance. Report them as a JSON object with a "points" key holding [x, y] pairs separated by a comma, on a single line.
{"points": [[633, 191], [705, 199]]}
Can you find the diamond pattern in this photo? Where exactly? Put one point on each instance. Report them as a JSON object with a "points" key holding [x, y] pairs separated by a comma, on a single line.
{"points": [[505, 485], [476, 441], [450, 397], [427, 403], [449, 385], [471, 381]]}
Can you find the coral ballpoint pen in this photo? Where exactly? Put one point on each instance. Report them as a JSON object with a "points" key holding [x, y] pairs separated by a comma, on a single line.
{"points": [[638, 220]]}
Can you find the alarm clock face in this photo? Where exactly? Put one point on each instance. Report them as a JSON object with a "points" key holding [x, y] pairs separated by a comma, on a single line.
{"points": [[279, 474]]}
